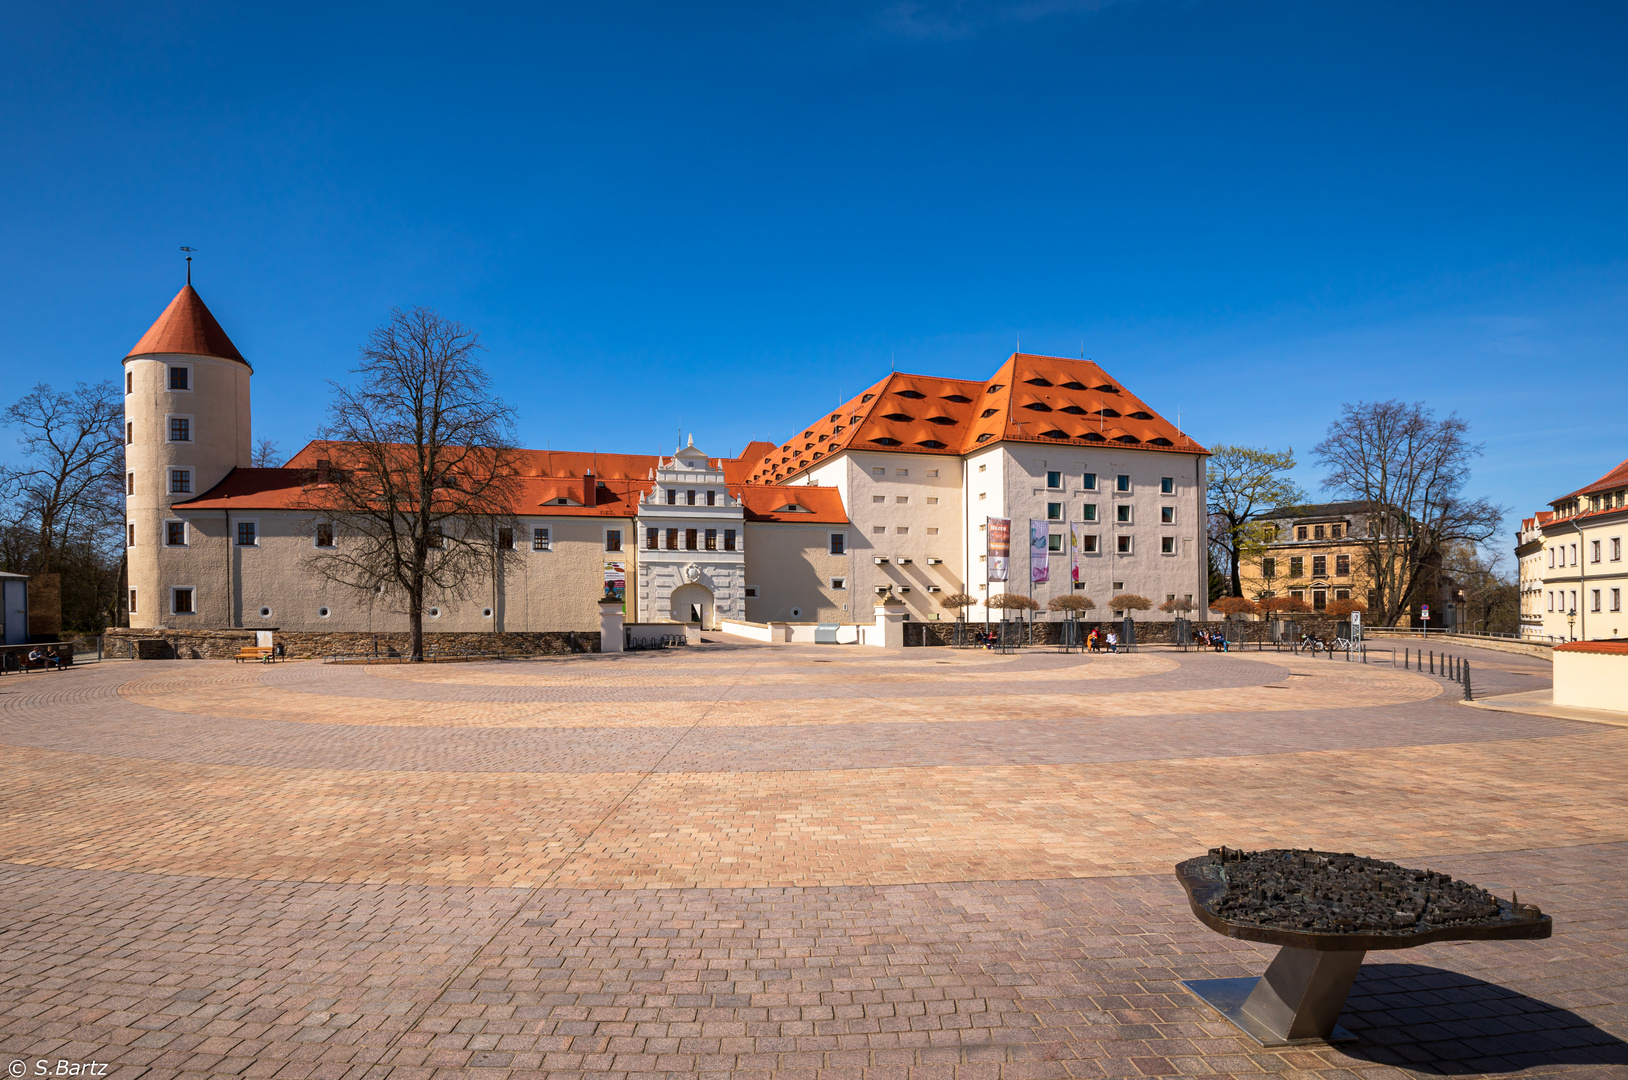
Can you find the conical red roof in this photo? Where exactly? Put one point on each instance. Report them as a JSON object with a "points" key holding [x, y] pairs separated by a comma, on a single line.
{"points": [[187, 327]]}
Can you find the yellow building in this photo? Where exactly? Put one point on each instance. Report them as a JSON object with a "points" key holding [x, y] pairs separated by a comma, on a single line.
{"points": [[1309, 554], [1577, 548]]}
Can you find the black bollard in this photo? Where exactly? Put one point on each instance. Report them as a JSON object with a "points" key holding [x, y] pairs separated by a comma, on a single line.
{"points": [[1432, 661], [1467, 696]]}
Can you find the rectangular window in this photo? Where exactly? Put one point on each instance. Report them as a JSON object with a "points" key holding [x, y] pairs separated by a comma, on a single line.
{"points": [[1088, 543], [712, 498], [1089, 481], [1054, 542], [1319, 566], [181, 601], [932, 531], [130, 535], [178, 378], [132, 600], [878, 498], [1594, 599], [180, 429], [712, 540], [1123, 543], [903, 530], [1269, 568], [613, 539], [1594, 551], [1122, 513], [130, 388], [1342, 566], [878, 530], [1297, 566], [1167, 545], [932, 473], [505, 539], [839, 542], [672, 497], [672, 539], [325, 534], [1334, 531], [932, 500], [1054, 479], [1574, 559], [1167, 485], [1551, 601], [1300, 532], [1616, 549], [729, 539], [901, 472], [175, 533], [689, 498], [129, 433], [652, 539], [1317, 532], [437, 539], [1342, 594], [180, 481], [751, 592], [901, 499], [1054, 511], [1088, 512], [1616, 600], [839, 583], [1167, 515], [689, 540], [246, 534], [539, 538], [878, 472], [129, 483], [1551, 558], [1122, 483]]}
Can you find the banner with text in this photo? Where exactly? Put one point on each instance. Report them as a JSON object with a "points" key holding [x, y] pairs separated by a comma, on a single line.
{"points": [[1039, 560], [616, 580], [998, 547]]}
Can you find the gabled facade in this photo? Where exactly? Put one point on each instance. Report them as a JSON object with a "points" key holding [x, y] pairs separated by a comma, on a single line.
{"points": [[1572, 563]]}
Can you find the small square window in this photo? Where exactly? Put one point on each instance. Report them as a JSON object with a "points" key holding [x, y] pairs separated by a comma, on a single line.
{"points": [[981, 468], [1123, 543], [181, 601], [751, 592], [1054, 542], [1167, 515], [325, 534], [246, 534], [180, 429], [1089, 481], [1119, 586], [1167, 485], [505, 539], [839, 543], [613, 539], [839, 583], [1122, 513], [180, 481], [1054, 511], [539, 538], [1088, 512], [1167, 545], [1122, 482], [931, 531], [179, 378], [1054, 479], [175, 533], [1088, 543]]}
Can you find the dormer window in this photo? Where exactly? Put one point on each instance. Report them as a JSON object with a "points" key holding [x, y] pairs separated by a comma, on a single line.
{"points": [[911, 394]]}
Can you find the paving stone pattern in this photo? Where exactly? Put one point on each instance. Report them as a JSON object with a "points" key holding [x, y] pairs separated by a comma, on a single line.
{"points": [[773, 861]]}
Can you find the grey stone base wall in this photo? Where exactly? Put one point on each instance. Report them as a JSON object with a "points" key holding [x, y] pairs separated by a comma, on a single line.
{"points": [[125, 643], [1048, 631]]}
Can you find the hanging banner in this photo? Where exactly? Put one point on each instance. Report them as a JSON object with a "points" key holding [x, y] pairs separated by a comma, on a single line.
{"points": [[1074, 554], [998, 547], [616, 580], [1039, 562]]}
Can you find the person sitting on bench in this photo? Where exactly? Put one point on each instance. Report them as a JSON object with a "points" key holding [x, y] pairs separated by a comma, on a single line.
{"points": [[53, 659]]}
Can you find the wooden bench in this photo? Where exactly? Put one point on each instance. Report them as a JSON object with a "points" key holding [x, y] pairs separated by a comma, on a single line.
{"points": [[261, 653]]}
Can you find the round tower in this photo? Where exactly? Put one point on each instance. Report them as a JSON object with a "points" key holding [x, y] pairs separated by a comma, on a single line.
{"points": [[186, 425]]}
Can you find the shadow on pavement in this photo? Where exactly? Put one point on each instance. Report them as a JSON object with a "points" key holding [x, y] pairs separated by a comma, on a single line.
{"points": [[1445, 1023]]}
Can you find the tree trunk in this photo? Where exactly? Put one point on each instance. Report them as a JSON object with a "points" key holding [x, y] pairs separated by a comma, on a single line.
{"points": [[415, 632]]}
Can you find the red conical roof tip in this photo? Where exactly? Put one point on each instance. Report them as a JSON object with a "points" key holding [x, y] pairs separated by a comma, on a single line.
{"points": [[187, 327]]}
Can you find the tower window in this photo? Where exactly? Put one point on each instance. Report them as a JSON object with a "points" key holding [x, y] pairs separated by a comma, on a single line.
{"points": [[130, 535], [180, 481], [129, 483], [180, 378], [129, 432], [132, 601], [175, 533], [247, 533], [130, 388], [181, 601], [180, 429]]}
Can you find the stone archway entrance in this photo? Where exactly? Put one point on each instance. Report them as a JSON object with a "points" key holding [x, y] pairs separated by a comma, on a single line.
{"points": [[692, 603]]}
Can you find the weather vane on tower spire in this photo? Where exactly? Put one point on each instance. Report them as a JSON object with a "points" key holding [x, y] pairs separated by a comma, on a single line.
{"points": [[189, 252]]}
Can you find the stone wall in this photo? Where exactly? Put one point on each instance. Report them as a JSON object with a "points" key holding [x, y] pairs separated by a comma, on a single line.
{"points": [[1048, 631], [140, 644]]}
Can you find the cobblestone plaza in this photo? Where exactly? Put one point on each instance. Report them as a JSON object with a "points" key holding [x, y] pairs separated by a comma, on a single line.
{"points": [[774, 860]]}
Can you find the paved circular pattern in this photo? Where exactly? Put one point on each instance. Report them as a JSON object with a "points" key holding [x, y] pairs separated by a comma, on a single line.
{"points": [[766, 859]]}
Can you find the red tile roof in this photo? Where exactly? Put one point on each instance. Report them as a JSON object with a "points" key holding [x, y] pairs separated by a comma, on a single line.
{"points": [[792, 503], [1610, 648], [187, 327], [1040, 399], [1611, 481]]}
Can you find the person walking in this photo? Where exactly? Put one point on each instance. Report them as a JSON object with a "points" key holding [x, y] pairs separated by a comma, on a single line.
{"points": [[1113, 642]]}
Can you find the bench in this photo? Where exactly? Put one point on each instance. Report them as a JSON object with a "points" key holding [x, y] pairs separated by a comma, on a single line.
{"points": [[263, 654]]}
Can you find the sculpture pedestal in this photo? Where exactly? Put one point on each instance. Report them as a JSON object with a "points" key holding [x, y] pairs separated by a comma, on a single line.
{"points": [[1297, 1001]]}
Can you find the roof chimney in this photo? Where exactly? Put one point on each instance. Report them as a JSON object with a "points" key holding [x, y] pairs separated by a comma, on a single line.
{"points": [[589, 489]]}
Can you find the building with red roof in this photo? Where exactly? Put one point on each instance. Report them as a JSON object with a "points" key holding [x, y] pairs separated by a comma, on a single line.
{"points": [[1573, 576]]}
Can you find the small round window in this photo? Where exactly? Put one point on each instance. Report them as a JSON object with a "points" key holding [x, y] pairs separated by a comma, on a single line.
{"points": [[796, 613], [323, 613], [435, 613], [265, 613], [486, 613]]}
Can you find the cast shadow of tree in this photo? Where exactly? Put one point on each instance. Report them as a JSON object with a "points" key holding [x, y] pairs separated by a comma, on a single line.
{"points": [[1439, 1022]]}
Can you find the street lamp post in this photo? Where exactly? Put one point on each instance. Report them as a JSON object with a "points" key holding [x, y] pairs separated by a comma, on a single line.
{"points": [[1571, 624]]}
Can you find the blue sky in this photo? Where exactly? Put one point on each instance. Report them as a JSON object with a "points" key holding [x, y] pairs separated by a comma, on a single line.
{"points": [[725, 218]]}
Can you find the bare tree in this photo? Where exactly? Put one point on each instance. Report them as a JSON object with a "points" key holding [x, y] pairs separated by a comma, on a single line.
{"points": [[266, 454], [1489, 592], [69, 485], [1245, 483], [1409, 470], [421, 468]]}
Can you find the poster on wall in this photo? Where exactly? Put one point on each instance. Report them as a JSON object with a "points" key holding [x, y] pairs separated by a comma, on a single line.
{"points": [[1039, 561], [998, 545], [616, 580]]}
